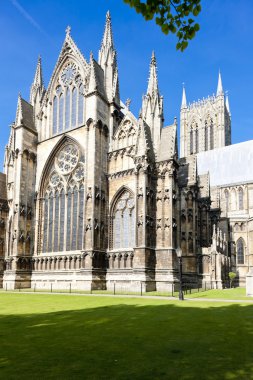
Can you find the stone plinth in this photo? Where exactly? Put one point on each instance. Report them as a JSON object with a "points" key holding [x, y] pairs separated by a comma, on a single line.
{"points": [[249, 283]]}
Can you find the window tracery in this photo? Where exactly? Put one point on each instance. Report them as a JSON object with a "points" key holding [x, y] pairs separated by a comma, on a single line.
{"points": [[68, 100], [63, 204], [240, 198], [123, 228], [240, 251]]}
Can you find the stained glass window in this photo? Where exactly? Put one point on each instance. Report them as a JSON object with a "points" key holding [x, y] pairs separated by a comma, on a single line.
{"points": [[45, 227], [80, 228], [56, 221], [67, 109], [74, 219], [123, 222], [80, 105], [62, 216], [69, 209], [240, 198], [73, 115], [240, 251], [50, 222], [55, 107], [191, 141], [60, 128], [68, 104], [211, 135]]}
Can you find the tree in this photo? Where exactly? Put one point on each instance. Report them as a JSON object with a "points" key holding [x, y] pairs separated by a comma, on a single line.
{"points": [[232, 276], [173, 16]]}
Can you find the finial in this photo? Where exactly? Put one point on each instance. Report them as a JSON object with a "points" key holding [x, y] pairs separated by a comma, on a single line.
{"points": [[108, 16], [128, 102], [219, 87], [68, 30], [184, 102]]}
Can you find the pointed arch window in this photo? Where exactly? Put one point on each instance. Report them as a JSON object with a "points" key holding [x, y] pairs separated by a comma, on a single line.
{"points": [[240, 251], [55, 108], [211, 135], [191, 141], [81, 105], [206, 136], [73, 108], [240, 198], [62, 214], [67, 109], [226, 193], [196, 139], [124, 222], [68, 101], [61, 105]]}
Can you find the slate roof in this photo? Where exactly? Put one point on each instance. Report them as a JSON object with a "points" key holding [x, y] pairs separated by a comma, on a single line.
{"points": [[228, 165], [168, 143], [3, 189], [27, 114]]}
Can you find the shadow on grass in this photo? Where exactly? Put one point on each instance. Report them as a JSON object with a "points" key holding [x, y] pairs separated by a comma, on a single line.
{"points": [[132, 340]]}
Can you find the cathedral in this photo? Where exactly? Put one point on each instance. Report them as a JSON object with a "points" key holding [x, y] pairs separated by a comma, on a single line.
{"points": [[92, 195]]}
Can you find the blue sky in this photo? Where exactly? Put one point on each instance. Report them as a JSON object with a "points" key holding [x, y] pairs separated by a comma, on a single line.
{"points": [[32, 27]]}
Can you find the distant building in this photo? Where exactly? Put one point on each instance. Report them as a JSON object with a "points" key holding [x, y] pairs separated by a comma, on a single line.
{"points": [[92, 195]]}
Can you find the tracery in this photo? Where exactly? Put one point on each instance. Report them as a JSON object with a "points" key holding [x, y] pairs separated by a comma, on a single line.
{"points": [[123, 228], [63, 204], [68, 100]]}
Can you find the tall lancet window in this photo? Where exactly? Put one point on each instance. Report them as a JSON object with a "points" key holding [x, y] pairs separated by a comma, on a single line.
{"points": [[240, 251], [191, 141], [62, 204], [196, 139], [211, 135], [124, 222], [226, 193], [206, 135], [68, 100], [67, 109], [240, 198], [55, 109], [73, 110], [81, 104]]}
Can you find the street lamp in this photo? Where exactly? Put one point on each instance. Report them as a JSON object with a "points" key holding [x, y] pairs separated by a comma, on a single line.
{"points": [[179, 255]]}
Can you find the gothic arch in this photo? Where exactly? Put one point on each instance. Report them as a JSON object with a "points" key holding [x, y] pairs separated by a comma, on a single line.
{"points": [[122, 219], [50, 160], [240, 247]]}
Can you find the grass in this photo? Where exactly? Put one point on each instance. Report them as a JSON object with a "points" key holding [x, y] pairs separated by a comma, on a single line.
{"points": [[228, 294], [79, 337]]}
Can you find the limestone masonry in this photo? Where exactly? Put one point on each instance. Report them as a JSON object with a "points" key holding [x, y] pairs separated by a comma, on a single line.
{"points": [[93, 196]]}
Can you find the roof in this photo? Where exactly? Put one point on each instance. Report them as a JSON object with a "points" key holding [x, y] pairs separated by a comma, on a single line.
{"points": [[167, 147], [3, 190], [228, 165], [27, 113]]}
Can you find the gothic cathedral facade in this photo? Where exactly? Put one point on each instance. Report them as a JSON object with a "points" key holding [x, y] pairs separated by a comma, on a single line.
{"points": [[92, 195]]}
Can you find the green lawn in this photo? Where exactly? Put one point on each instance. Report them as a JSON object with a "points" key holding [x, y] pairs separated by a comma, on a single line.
{"points": [[229, 294], [81, 337]]}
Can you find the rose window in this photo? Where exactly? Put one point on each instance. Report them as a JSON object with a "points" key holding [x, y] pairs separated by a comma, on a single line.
{"points": [[67, 159]]}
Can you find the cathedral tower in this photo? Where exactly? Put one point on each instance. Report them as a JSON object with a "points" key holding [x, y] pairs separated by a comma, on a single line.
{"points": [[205, 124]]}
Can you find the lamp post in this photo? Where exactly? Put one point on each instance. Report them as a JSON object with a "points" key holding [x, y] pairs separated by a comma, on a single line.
{"points": [[179, 255]]}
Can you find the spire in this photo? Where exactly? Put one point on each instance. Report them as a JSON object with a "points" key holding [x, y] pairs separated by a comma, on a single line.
{"points": [[37, 84], [153, 81], [227, 104], [219, 87], [107, 41], [107, 59], [184, 102]]}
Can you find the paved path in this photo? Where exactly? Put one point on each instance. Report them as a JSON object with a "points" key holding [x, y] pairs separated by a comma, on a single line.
{"points": [[199, 299]]}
